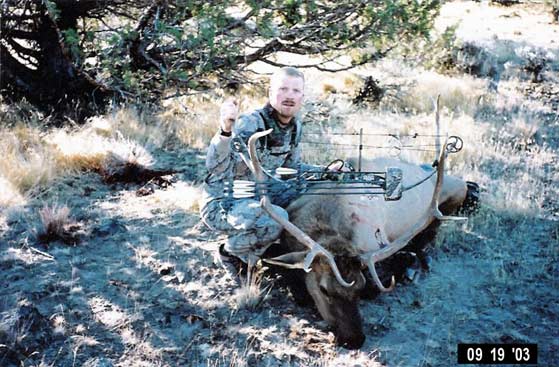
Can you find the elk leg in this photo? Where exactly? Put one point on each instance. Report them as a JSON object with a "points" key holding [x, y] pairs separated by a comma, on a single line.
{"points": [[419, 244], [403, 265]]}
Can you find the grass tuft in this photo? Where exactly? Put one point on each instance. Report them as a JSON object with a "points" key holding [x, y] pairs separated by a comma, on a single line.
{"points": [[125, 162], [10, 196], [250, 295], [26, 161], [56, 224]]}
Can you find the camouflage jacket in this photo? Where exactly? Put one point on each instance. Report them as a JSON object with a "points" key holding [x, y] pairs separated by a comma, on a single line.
{"points": [[279, 149]]}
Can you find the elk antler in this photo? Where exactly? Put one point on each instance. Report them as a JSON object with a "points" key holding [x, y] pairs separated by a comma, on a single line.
{"points": [[315, 249], [396, 245], [440, 173], [432, 212]]}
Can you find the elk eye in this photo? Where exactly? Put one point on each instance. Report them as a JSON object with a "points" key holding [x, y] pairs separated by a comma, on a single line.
{"points": [[324, 290]]}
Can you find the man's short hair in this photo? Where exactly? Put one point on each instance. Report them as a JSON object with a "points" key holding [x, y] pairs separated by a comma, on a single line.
{"points": [[286, 71]]}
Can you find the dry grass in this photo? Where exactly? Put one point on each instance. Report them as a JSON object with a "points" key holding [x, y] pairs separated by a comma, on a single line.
{"points": [[10, 196], [250, 294], [181, 195], [411, 89], [25, 158], [55, 224], [193, 121], [33, 158], [457, 94]]}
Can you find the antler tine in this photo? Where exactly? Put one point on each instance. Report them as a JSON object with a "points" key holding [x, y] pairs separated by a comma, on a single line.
{"points": [[256, 166], [376, 279], [314, 248], [441, 152], [434, 207], [437, 127]]}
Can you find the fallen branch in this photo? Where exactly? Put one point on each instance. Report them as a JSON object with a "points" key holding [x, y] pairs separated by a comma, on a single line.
{"points": [[33, 249]]}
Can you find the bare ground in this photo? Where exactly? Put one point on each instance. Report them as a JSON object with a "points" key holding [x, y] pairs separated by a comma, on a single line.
{"points": [[141, 288]]}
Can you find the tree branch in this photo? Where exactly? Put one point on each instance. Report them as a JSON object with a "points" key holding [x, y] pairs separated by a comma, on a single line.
{"points": [[137, 47], [16, 33], [24, 53]]}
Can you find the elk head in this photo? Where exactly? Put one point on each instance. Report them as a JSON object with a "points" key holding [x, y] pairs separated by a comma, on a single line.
{"points": [[338, 305]]}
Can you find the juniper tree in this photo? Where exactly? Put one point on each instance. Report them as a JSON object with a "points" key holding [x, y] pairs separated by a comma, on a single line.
{"points": [[61, 52]]}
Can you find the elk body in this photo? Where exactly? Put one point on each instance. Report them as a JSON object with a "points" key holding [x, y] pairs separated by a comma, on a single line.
{"points": [[351, 227], [334, 238]]}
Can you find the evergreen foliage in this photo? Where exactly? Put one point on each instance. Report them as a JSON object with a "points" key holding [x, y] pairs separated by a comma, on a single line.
{"points": [[61, 52]]}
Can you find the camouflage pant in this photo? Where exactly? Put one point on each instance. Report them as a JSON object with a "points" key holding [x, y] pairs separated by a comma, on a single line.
{"points": [[249, 228]]}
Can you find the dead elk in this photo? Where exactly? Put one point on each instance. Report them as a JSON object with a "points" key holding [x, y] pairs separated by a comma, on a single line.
{"points": [[333, 238]]}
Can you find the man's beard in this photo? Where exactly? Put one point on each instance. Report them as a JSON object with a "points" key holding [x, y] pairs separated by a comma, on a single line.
{"points": [[287, 111]]}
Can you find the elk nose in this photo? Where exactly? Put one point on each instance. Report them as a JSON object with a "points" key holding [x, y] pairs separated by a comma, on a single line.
{"points": [[354, 341]]}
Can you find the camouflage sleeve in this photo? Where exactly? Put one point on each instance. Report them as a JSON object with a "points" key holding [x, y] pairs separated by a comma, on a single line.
{"points": [[219, 156], [220, 159], [247, 125]]}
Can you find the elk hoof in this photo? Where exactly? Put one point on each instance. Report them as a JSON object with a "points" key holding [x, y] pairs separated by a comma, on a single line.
{"points": [[414, 268], [426, 262], [411, 274]]}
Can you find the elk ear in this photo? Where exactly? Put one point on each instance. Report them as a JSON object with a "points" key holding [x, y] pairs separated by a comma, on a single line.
{"points": [[292, 260]]}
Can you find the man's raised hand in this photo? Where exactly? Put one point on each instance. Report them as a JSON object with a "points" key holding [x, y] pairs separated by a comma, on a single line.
{"points": [[228, 114]]}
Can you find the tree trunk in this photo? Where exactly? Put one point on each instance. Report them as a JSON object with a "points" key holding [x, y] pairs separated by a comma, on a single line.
{"points": [[54, 84]]}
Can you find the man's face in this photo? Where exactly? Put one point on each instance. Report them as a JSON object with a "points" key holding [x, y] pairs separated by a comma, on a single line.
{"points": [[286, 96]]}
